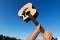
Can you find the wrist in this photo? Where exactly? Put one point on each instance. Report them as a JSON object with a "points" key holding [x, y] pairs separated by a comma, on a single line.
{"points": [[38, 30]]}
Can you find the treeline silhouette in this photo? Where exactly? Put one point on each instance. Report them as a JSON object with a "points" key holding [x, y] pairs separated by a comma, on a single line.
{"points": [[7, 38]]}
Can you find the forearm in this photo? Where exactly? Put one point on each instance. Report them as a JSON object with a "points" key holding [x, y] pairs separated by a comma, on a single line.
{"points": [[33, 35], [46, 34]]}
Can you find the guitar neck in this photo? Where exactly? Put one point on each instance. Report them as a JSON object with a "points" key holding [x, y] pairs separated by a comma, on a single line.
{"points": [[33, 19], [36, 23]]}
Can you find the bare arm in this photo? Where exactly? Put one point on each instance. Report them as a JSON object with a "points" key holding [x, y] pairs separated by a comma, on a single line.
{"points": [[39, 29], [34, 34], [46, 34]]}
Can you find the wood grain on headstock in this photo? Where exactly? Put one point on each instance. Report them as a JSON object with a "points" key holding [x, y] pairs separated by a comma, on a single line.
{"points": [[26, 8]]}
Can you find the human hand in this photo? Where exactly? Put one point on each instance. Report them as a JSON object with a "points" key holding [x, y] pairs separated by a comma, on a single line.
{"points": [[38, 27]]}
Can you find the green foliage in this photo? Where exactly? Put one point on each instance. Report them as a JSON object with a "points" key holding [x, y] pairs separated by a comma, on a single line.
{"points": [[7, 38]]}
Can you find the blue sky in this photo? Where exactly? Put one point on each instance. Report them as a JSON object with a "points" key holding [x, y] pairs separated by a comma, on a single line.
{"points": [[12, 25]]}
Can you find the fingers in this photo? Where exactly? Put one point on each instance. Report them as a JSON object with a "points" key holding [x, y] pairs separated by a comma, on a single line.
{"points": [[38, 27]]}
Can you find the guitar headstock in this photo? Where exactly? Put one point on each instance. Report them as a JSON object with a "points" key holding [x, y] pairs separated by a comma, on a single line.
{"points": [[27, 9]]}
